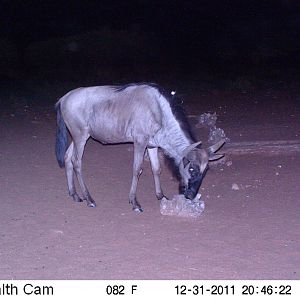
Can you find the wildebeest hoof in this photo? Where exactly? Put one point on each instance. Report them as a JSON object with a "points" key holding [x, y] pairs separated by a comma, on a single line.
{"points": [[91, 203], [160, 197], [137, 209]]}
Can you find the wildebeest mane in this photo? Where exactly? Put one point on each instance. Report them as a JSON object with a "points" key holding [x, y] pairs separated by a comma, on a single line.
{"points": [[176, 104]]}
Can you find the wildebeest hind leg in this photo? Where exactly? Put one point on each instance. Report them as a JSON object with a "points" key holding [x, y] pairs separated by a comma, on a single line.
{"points": [[79, 144], [139, 150], [70, 173]]}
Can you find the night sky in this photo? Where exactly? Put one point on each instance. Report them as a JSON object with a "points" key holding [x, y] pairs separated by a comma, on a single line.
{"points": [[194, 34]]}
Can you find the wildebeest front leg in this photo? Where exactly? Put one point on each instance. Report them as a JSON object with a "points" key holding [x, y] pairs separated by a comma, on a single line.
{"points": [[156, 170], [139, 150]]}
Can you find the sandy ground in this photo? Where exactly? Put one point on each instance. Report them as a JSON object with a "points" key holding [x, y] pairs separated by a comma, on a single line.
{"points": [[249, 233]]}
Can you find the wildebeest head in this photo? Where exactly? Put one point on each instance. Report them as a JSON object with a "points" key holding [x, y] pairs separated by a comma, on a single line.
{"points": [[194, 165]]}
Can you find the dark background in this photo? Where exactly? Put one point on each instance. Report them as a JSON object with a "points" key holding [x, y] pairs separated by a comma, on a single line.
{"points": [[225, 44]]}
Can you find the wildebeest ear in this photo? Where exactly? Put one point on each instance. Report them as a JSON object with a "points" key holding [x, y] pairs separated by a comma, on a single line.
{"points": [[214, 156], [185, 162]]}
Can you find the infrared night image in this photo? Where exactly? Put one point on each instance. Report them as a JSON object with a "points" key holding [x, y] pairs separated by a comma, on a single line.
{"points": [[147, 139]]}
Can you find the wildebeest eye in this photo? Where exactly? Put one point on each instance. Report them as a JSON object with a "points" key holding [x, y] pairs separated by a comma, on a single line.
{"points": [[194, 171]]}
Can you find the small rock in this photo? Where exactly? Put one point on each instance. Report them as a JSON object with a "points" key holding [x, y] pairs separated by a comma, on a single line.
{"points": [[235, 187]]}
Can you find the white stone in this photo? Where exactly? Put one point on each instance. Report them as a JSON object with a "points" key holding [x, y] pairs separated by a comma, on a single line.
{"points": [[235, 187], [182, 207]]}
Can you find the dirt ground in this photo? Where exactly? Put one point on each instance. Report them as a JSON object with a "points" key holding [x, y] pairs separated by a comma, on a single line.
{"points": [[252, 232]]}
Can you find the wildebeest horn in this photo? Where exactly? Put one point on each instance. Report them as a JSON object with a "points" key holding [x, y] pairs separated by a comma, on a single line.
{"points": [[190, 148], [216, 146]]}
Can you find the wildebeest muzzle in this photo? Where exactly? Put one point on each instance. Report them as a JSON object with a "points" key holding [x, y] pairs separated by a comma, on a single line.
{"points": [[190, 191]]}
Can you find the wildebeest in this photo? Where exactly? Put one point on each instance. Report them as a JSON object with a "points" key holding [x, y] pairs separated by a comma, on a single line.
{"points": [[143, 114]]}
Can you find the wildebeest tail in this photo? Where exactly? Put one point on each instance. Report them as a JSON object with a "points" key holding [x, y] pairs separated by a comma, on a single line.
{"points": [[61, 144]]}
